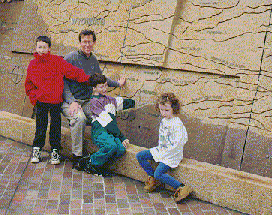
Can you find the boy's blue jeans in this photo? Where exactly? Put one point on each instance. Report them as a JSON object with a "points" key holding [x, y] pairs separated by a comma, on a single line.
{"points": [[160, 173]]}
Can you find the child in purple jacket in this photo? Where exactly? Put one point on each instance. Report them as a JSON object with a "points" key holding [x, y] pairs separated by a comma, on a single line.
{"points": [[101, 111]]}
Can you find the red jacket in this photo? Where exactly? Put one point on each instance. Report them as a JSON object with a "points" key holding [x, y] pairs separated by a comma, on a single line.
{"points": [[44, 80]]}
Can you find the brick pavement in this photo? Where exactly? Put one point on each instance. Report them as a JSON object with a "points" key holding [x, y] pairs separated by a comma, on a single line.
{"points": [[27, 188]]}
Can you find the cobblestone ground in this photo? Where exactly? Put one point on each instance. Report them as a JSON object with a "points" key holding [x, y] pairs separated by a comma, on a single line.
{"points": [[27, 188]]}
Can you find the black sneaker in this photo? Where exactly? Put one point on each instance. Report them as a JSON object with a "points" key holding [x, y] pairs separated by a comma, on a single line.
{"points": [[75, 161], [82, 163], [85, 164], [106, 172], [91, 169]]}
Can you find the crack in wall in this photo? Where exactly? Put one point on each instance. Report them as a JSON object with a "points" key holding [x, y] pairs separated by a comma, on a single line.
{"points": [[232, 18], [144, 36], [227, 64], [126, 31], [210, 6], [212, 16], [237, 36], [257, 90], [137, 20]]}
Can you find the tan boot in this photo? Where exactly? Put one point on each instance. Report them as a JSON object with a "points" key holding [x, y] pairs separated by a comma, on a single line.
{"points": [[151, 184], [182, 193]]}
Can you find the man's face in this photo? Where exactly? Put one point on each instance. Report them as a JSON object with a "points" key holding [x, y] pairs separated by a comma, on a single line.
{"points": [[42, 48], [100, 89], [87, 44]]}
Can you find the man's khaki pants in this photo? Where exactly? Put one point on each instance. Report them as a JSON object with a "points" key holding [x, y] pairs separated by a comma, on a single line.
{"points": [[77, 125]]}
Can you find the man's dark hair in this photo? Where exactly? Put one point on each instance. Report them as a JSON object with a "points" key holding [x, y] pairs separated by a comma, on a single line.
{"points": [[96, 79], [45, 39], [86, 32]]}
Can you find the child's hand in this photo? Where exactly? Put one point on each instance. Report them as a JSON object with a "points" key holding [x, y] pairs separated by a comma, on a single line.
{"points": [[73, 109], [122, 81], [125, 143]]}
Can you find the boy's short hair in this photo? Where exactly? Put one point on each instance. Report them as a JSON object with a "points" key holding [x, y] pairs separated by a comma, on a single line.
{"points": [[86, 32], [96, 79], [169, 98], [45, 39]]}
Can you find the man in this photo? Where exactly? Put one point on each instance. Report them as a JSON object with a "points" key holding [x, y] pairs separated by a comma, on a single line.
{"points": [[75, 93]]}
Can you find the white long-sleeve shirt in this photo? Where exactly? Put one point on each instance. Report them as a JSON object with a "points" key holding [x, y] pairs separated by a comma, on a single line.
{"points": [[172, 138]]}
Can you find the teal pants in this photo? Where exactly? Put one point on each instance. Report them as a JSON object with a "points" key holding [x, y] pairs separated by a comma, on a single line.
{"points": [[110, 147]]}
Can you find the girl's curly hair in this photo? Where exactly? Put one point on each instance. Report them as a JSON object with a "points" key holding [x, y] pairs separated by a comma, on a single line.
{"points": [[169, 98]]}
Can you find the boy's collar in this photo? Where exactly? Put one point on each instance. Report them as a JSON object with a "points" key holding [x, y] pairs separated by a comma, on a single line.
{"points": [[42, 57]]}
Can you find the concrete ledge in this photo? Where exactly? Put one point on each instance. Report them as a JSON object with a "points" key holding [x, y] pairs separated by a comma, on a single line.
{"points": [[226, 187]]}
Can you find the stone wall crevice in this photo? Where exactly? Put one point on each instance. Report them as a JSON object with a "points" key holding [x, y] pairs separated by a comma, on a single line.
{"points": [[257, 89]]}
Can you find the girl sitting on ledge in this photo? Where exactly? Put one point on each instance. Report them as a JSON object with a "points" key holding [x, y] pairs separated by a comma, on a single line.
{"points": [[169, 152]]}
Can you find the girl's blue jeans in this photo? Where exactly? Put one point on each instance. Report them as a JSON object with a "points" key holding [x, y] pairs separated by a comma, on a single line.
{"points": [[143, 158]]}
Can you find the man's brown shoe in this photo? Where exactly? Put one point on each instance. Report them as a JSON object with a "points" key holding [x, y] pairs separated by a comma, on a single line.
{"points": [[182, 193], [151, 184]]}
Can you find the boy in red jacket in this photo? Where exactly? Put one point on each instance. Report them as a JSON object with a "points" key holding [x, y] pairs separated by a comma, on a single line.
{"points": [[44, 86]]}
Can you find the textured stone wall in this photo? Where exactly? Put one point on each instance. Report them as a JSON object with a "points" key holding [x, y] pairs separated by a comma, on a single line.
{"points": [[12, 66], [221, 37], [214, 55]]}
